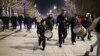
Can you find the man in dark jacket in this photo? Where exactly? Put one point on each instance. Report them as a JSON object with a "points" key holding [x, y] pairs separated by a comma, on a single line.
{"points": [[14, 22], [5, 21], [62, 29], [28, 22], [73, 22], [49, 22], [20, 20]]}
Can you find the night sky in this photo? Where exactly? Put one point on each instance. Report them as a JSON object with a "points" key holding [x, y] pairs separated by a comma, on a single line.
{"points": [[45, 5]]}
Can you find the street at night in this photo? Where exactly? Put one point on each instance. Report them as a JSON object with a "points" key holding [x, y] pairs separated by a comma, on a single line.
{"points": [[49, 28], [26, 44]]}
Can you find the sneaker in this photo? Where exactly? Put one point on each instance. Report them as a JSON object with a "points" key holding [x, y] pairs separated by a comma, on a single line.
{"points": [[82, 39], [43, 49], [86, 53], [77, 37], [91, 36], [73, 43], [89, 39], [60, 46], [48, 40]]}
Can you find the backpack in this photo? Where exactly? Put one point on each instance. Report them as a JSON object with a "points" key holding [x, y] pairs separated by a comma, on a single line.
{"points": [[97, 28]]}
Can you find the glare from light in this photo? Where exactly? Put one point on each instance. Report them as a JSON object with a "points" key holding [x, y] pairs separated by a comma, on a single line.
{"points": [[50, 11], [54, 7], [35, 6]]}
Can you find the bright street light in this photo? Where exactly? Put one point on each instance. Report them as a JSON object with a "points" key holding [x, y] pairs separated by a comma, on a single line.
{"points": [[50, 11], [54, 7]]}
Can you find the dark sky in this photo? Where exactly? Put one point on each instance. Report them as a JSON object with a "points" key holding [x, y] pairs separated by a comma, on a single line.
{"points": [[45, 5]]}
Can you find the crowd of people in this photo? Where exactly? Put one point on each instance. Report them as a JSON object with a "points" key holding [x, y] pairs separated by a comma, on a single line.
{"points": [[62, 22], [14, 21]]}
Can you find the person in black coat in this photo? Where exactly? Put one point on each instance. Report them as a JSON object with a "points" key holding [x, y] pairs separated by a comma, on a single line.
{"points": [[28, 22], [40, 31], [5, 21], [49, 22], [14, 22], [20, 20], [73, 22], [62, 29], [25, 19]]}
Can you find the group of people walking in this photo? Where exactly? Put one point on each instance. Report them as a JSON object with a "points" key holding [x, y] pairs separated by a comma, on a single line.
{"points": [[62, 22], [14, 21]]}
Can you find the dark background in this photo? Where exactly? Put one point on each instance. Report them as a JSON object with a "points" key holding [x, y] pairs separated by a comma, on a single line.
{"points": [[45, 5]]}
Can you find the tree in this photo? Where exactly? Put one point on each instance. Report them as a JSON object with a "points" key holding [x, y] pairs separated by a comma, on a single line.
{"points": [[0, 7]]}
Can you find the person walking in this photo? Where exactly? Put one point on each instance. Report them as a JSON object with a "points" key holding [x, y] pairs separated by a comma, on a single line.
{"points": [[96, 27]]}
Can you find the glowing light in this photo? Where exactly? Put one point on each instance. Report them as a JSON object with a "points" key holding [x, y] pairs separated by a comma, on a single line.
{"points": [[54, 7]]}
